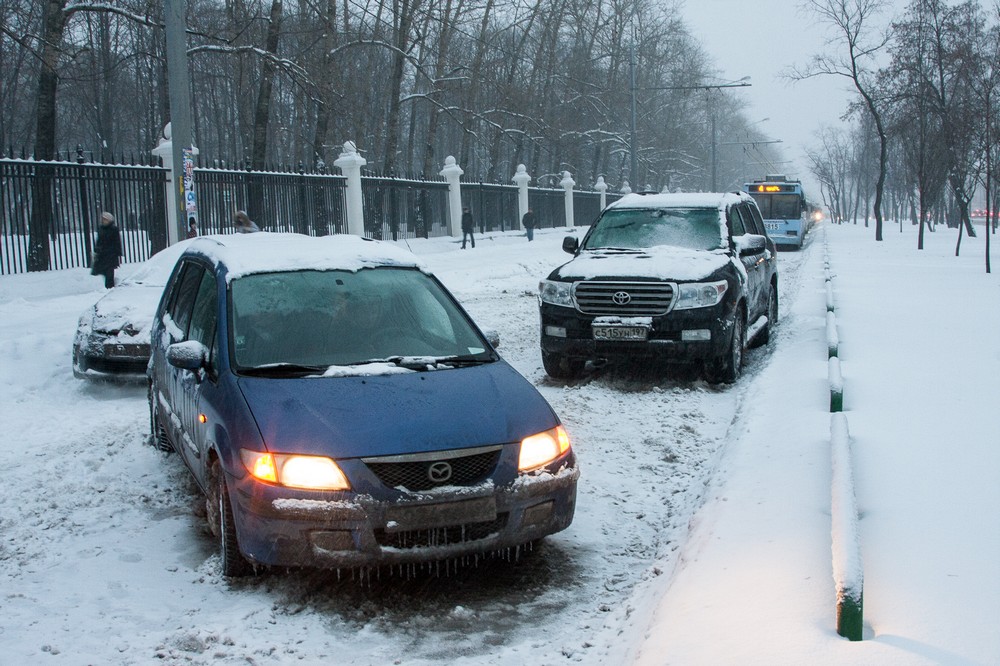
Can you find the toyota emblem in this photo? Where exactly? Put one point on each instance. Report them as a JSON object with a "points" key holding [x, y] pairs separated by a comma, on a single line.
{"points": [[621, 298], [439, 472]]}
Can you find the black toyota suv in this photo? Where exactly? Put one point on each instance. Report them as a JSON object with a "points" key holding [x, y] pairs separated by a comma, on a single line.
{"points": [[672, 277]]}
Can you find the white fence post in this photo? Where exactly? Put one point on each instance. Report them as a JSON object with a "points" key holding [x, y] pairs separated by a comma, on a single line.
{"points": [[453, 173], [521, 179], [626, 188], [602, 187], [568, 183], [350, 163]]}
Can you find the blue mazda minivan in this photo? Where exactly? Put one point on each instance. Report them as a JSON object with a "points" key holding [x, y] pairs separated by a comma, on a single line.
{"points": [[339, 408]]}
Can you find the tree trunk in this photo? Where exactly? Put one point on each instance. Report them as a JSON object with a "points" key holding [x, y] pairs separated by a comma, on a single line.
{"points": [[262, 113], [53, 25], [433, 120], [404, 12]]}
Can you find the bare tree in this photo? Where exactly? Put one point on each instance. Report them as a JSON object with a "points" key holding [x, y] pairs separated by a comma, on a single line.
{"points": [[852, 20]]}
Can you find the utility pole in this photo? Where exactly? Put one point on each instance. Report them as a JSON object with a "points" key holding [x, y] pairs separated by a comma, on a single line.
{"points": [[633, 176], [180, 109]]}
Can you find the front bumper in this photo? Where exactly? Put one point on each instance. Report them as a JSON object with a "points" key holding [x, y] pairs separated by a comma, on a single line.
{"points": [[665, 342], [281, 527], [102, 360]]}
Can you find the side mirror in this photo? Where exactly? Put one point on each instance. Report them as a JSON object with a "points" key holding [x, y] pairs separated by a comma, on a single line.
{"points": [[188, 355], [570, 244], [749, 244]]}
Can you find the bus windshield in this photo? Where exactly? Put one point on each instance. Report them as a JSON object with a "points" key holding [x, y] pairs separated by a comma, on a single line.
{"points": [[778, 206]]}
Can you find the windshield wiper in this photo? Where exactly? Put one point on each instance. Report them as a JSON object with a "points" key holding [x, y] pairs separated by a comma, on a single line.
{"points": [[614, 249], [284, 369], [429, 362]]}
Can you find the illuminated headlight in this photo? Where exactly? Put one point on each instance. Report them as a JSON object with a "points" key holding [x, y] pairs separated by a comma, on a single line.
{"points": [[700, 294], [293, 471], [543, 448], [556, 293]]}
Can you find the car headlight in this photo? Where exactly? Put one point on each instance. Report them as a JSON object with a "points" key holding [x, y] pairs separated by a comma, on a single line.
{"points": [[295, 471], [699, 294], [556, 293], [543, 448]]}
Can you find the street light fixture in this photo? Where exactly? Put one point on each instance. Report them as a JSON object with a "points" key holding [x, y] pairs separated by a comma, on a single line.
{"points": [[741, 83]]}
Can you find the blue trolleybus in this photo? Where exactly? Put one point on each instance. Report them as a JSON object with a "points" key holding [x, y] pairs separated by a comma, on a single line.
{"points": [[783, 207]]}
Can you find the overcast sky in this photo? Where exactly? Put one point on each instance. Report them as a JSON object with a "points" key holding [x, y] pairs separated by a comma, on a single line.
{"points": [[762, 39]]}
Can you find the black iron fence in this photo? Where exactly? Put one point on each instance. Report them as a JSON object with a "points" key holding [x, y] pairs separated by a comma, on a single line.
{"points": [[49, 210], [311, 204], [404, 208]]}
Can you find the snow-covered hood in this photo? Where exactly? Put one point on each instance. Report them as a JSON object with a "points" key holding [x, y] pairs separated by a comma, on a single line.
{"points": [[661, 262], [127, 312], [394, 414]]}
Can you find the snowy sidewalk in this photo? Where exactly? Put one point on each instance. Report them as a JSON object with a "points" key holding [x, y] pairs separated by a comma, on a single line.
{"points": [[921, 369]]}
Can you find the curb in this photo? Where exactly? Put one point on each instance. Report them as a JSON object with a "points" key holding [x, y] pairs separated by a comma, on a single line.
{"points": [[848, 574]]}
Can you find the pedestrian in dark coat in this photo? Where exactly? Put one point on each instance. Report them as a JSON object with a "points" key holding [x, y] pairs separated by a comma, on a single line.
{"points": [[468, 226], [529, 224], [107, 250]]}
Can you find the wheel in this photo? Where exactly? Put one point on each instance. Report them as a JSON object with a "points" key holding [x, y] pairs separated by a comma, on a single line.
{"points": [[220, 521], [772, 316], [558, 366], [157, 433], [727, 368]]}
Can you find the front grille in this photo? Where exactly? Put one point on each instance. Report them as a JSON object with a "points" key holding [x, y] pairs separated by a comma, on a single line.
{"points": [[643, 298], [414, 473], [441, 536]]}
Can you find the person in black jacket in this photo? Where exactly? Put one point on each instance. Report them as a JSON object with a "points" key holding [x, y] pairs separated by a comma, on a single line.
{"points": [[529, 224], [468, 225], [107, 250]]}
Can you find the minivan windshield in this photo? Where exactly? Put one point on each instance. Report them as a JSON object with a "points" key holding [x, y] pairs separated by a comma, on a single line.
{"points": [[316, 319], [640, 228]]}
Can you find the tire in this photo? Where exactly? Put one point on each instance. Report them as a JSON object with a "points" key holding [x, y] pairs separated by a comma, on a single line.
{"points": [[558, 366], [772, 316], [219, 512], [157, 433], [727, 368]]}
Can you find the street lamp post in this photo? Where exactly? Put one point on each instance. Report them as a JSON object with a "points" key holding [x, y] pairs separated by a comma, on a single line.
{"points": [[633, 149]]}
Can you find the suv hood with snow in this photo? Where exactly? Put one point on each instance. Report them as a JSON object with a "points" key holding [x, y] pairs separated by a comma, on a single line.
{"points": [[660, 262]]}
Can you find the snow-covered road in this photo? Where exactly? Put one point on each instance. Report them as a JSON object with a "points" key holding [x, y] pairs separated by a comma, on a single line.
{"points": [[104, 559]]}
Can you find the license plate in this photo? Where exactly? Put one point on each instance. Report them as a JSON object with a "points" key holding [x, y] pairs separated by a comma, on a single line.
{"points": [[620, 332], [112, 350], [772, 226]]}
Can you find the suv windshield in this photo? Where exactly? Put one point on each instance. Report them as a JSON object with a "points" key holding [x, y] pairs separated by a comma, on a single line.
{"points": [[323, 318], [639, 228]]}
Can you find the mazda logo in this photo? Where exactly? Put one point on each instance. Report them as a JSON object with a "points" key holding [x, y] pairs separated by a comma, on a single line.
{"points": [[621, 298], [439, 472]]}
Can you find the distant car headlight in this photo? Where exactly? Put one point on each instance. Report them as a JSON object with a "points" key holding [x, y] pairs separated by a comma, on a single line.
{"points": [[556, 293], [700, 294], [294, 471], [543, 448]]}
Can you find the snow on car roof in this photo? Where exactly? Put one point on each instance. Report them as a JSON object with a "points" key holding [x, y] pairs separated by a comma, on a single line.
{"points": [[265, 252], [156, 270], [679, 200]]}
